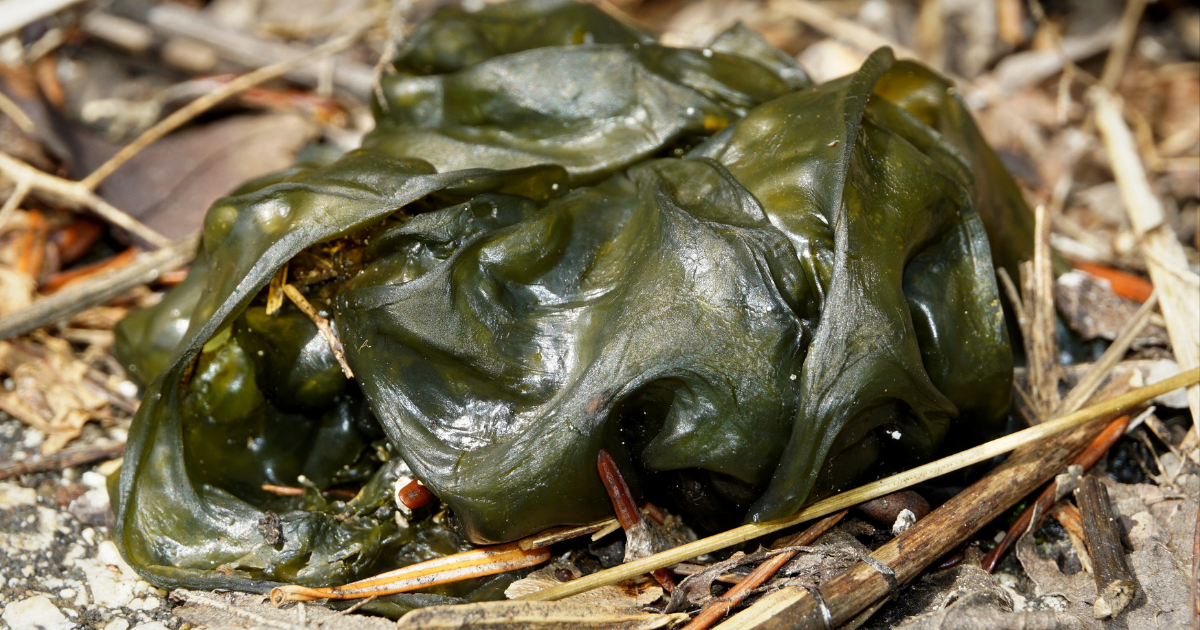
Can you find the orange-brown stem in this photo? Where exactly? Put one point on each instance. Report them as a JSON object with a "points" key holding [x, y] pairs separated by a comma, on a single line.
{"points": [[627, 510], [618, 490], [1123, 283], [63, 278], [452, 568]]}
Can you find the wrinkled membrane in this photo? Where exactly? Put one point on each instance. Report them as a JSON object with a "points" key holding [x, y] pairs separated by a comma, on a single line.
{"points": [[563, 237]]}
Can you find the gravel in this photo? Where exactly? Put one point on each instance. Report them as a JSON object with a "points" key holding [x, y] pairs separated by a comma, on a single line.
{"points": [[59, 568]]}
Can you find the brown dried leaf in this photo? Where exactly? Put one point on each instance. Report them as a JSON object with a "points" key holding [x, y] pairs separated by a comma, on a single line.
{"points": [[50, 392], [833, 553], [967, 598], [171, 184]]}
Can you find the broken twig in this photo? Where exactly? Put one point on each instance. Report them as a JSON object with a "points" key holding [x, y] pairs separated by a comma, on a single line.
{"points": [[1115, 586], [62, 460], [881, 574], [76, 194], [1031, 518]]}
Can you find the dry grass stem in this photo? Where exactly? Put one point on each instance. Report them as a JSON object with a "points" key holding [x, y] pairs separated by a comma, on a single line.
{"points": [[452, 568], [559, 534], [75, 194], [19, 192], [62, 459], [395, 35], [1114, 64], [1179, 300], [18, 115], [869, 491], [1041, 337], [275, 290]]}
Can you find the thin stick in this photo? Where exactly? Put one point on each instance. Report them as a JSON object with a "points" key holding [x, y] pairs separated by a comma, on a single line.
{"points": [[399, 9], [62, 460], [559, 534], [335, 344], [720, 607], [193, 597], [342, 613], [1014, 298], [639, 539], [1115, 586], [881, 574], [869, 491], [452, 568], [1114, 64], [1068, 516], [206, 102], [275, 290], [1041, 344], [76, 299], [76, 194], [293, 491]]}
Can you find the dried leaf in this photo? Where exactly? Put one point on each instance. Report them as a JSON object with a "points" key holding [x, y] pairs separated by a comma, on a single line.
{"points": [[1091, 309], [628, 595], [50, 392], [170, 184]]}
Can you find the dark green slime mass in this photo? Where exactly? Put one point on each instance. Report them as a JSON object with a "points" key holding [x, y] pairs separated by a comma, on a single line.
{"points": [[564, 237]]}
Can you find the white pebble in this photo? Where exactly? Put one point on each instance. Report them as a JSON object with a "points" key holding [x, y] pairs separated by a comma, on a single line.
{"points": [[35, 613], [127, 389]]}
